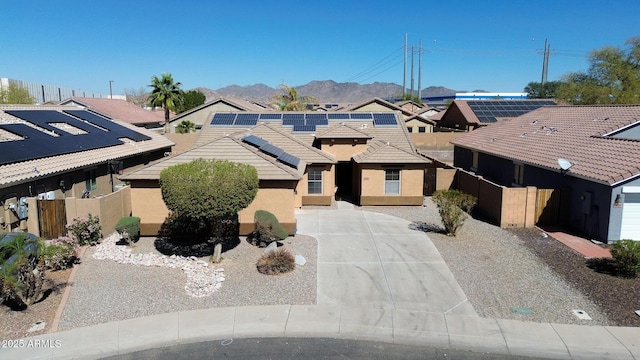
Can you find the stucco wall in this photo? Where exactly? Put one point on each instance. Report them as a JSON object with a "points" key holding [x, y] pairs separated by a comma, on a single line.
{"points": [[343, 149], [303, 197], [373, 179], [147, 203]]}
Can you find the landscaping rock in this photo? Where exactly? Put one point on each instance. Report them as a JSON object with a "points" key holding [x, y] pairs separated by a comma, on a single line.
{"points": [[300, 260], [273, 246]]}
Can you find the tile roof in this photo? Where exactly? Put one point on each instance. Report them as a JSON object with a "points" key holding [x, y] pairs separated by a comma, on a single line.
{"points": [[20, 172], [224, 148], [383, 152], [343, 131], [579, 134], [483, 112], [119, 109]]}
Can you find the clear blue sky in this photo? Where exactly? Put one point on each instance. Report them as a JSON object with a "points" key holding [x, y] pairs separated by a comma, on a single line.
{"points": [[468, 45]]}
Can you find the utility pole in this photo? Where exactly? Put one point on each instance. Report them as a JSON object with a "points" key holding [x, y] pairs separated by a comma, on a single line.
{"points": [[545, 61], [412, 53], [420, 71], [404, 73], [110, 90]]}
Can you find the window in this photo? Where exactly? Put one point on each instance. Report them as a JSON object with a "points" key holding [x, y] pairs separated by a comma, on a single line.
{"points": [[314, 181], [518, 174], [90, 182], [410, 128], [392, 181], [422, 129]]}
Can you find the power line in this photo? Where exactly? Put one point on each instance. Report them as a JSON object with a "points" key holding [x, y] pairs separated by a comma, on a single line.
{"points": [[384, 61]]}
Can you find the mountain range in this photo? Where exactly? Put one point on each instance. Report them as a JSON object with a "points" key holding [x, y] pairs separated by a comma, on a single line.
{"points": [[326, 91]]}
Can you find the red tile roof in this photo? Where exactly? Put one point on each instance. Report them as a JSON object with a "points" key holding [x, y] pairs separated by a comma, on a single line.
{"points": [[120, 109], [579, 134]]}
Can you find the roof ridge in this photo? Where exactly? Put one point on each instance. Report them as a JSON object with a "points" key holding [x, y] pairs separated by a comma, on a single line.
{"points": [[296, 140]]}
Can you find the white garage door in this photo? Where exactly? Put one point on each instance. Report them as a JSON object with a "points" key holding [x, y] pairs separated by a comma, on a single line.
{"points": [[631, 217]]}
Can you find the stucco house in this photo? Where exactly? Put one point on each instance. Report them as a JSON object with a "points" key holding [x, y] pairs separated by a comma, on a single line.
{"points": [[201, 114], [590, 154], [471, 114], [303, 158], [65, 153]]}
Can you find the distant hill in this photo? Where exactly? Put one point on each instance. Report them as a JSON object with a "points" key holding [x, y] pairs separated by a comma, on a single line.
{"points": [[326, 91]]}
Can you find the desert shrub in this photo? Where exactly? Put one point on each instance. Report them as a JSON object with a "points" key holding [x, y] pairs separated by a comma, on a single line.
{"points": [[129, 228], [268, 229], [626, 254], [85, 230], [276, 262], [60, 254], [21, 269], [453, 207]]}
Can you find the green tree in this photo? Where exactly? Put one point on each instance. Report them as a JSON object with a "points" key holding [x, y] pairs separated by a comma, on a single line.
{"points": [[167, 94], [613, 77], [288, 100], [15, 94], [192, 99], [206, 192], [537, 90], [185, 127], [412, 97]]}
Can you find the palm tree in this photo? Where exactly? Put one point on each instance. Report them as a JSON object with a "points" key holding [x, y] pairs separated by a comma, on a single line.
{"points": [[185, 127], [166, 94], [289, 101]]}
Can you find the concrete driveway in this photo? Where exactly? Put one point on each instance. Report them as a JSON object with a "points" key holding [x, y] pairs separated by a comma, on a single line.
{"points": [[368, 259]]}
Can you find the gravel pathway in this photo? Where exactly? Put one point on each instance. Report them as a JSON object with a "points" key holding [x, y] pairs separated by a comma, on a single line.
{"points": [[501, 277], [107, 291]]}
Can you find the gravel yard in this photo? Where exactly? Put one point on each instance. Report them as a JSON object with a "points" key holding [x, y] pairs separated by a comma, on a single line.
{"points": [[107, 291]]}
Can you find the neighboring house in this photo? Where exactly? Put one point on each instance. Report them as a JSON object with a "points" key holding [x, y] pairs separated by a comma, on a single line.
{"points": [[472, 114], [417, 124], [379, 105], [63, 152], [302, 159], [591, 154], [445, 99], [201, 114], [118, 109], [410, 106]]}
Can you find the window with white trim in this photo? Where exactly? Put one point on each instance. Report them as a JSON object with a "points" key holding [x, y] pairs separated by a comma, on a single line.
{"points": [[392, 181], [314, 181]]}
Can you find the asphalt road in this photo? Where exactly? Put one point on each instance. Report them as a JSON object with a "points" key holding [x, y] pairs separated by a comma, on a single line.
{"points": [[303, 349]]}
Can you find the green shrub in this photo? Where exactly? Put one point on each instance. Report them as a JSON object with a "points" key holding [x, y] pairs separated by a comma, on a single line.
{"points": [[276, 262], [21, 269], [453, 207], [268, 228], [86, 230], [626, 254], [60, 254], [129, 228]]}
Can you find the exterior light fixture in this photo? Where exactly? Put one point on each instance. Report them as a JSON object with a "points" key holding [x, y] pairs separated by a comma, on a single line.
{"points": [[618, 201]]}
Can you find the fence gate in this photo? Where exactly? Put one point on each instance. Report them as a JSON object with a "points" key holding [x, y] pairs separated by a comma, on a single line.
{"points": [[548, 206], [52, 218], [430, 181]]}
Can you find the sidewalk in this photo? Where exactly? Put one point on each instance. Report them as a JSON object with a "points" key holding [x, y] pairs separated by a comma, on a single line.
{"points": [[583, 246], [509, 337]]}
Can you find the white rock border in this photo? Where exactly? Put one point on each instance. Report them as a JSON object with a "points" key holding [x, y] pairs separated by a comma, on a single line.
{"points": [[201, 279]]}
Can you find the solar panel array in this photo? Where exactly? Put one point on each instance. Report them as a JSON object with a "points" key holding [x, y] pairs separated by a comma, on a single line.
{"points": [[488, 110], [301, 122], [272, 150], [35, 144]]}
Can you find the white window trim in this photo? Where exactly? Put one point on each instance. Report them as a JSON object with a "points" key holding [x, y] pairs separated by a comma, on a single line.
{"points": [[399, 181], [321, 181]]}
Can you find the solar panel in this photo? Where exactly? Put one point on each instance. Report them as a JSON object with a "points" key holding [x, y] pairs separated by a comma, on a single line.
{"points": [[289, 159], [319, 116], [223, 119], [270, 116], [292, 122], [43, 118], [488, 110], [338, 116], [246, 120], [254, 140], [317, 121], [293, 116], [361, 116], [271, 150], [116, 129], [384, 120], [304, 128]]}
